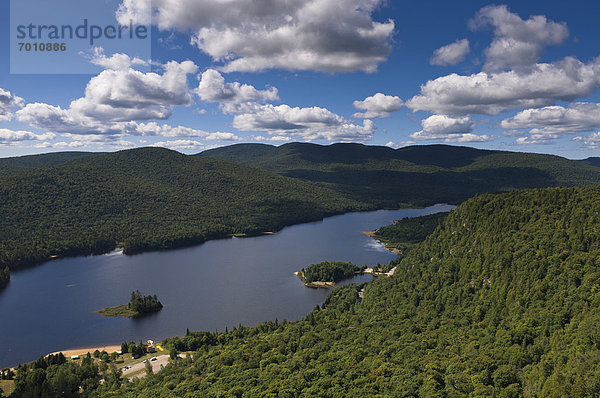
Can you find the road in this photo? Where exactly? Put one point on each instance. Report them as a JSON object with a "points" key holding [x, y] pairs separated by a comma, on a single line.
{"points": [[138, 370]]}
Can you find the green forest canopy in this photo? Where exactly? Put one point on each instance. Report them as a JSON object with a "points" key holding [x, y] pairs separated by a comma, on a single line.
{"points": [[151, 198], [138, 305], [410, 230], [77, 203], [146, 199], [144, 304], [501, 300], [418, 175], [328, 271], [20, 164]]}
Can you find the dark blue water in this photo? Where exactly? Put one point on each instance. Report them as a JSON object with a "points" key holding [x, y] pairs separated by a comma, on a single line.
{"points": [[218, 284]]}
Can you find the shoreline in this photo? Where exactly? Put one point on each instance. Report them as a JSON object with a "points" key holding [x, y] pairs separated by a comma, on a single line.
{"points": [[118, 250], [82, 351], [316, 284], [68, 353], [377, 273], [371, 234], [250, 235], [320, 284], [118, 245]]}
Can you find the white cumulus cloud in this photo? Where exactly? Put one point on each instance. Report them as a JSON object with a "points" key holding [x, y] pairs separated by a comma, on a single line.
{"points": [[517, 42], [181, 145], [8, 102], [250, 35], [272, 138], [312, 123], [284, 118], [577, 117], [8, 136], [213, 88], [591, 141], [59, 120], [165, 130], [378, 105], [535, 138], [115, 100], [546, 124], [451, 54], [493, 93], [128, 94], [448, 129], [116, 61]]}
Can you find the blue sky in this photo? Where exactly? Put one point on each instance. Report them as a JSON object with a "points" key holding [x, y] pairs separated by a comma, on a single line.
{"points": [[520, 76]]}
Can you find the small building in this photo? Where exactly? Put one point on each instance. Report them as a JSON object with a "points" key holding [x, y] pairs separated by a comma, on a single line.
{"points": [[74, 357]]}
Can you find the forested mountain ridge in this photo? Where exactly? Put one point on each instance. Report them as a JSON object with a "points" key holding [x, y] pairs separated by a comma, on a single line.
{"points": [[593, 161], [414, 175], [145, 199], [19, 164], [501, 300], [74, 203]]}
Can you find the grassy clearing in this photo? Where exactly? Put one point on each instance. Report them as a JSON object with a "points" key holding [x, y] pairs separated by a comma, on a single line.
{"points": [[120, 310]]}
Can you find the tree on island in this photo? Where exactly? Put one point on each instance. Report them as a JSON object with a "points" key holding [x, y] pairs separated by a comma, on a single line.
{"points": [[328, 271], [137, 306], [144, 304]]}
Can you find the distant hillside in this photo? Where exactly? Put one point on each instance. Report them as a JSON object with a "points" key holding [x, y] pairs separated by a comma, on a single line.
{"points": [[19, 164], [75, 203], [416, 175], [145, 199], [591, 161], [499, 301]]}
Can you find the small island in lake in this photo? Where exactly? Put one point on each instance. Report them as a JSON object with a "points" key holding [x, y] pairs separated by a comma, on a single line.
{"points": [[138, 305], [327, 273]]}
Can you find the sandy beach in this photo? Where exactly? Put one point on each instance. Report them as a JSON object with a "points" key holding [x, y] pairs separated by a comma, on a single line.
{"points": [[82, 351]]}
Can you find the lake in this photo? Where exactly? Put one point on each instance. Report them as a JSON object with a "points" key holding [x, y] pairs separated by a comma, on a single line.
{"points": [[218, 284]]}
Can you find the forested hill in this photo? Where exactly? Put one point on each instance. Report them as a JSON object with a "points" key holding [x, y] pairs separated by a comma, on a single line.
{"points": [[415, 175], [19, 164], [594, 161], [501, 300], [147, 198], [75, 203]]}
